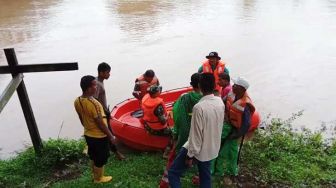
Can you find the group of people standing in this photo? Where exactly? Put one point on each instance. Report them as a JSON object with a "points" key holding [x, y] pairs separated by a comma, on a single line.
{"points": [[208, 122]]}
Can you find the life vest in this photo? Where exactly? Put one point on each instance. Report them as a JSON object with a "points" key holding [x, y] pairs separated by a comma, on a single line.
{"points": [[235, 110], [219, 69], [148, 105], [144, 85]]}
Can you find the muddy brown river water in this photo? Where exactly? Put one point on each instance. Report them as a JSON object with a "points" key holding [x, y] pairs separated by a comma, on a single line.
{"points": [[286, 49]]}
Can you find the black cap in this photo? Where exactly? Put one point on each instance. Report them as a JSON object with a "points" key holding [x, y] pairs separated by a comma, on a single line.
{"points": [[213, 54], [154, 89]]}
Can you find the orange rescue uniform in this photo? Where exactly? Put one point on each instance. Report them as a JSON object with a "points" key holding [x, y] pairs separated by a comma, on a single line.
{"points": [[149, 104], [218, 70], [235, 109]]}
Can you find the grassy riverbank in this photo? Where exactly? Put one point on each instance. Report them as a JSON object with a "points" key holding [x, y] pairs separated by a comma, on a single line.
{"points": [[277, 156]]}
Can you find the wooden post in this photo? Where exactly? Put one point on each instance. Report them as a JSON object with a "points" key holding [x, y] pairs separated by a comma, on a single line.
{"points": [[24, 100], [9, 91]]}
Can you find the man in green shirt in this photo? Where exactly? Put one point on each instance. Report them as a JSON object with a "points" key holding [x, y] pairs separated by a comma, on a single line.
{"points": [[182, 111]]}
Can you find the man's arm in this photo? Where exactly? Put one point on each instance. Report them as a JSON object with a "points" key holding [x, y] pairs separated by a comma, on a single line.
{"points": [[160, 113], [136, 90], [195, 133], [246, 122], [101, 125], [98, 114]]}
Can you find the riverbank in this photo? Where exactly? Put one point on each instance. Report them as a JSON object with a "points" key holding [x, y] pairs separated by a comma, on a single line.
{"points": [[277, 156]]}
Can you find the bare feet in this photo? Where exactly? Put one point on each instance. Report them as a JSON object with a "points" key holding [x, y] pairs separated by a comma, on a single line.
{"points": [[120, 156], [195, 180]]}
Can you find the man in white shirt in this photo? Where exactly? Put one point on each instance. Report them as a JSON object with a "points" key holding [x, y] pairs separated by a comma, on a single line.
{"points": [[204, 137]]}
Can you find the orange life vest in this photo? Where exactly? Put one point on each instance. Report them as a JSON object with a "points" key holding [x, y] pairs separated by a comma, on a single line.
{"points": [[148, 105], [219, 69], [144, 85], [235, 110]]}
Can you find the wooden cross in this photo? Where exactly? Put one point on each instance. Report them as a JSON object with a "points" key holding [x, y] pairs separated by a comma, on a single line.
{"points": [[17, 84]]}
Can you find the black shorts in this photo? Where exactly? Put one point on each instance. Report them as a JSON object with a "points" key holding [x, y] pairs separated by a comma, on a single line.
{"points": [[98, 150]]}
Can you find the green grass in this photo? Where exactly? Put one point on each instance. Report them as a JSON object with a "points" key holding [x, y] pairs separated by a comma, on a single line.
{"points": [[277, 156]]}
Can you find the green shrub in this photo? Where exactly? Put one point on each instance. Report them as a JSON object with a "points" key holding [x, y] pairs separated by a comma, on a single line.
{"points": [[28, 169], [280, 155]]}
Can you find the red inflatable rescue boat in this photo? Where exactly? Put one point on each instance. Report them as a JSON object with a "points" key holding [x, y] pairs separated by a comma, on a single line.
{"points": [[127, 125]]}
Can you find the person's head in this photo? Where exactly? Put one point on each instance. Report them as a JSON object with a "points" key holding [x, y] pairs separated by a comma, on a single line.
{"points": [[149, 75], [104, 70], [88, 84], [240, 86], [223, 79], [207, 83], [154, 90], [213, 58], [194, 80]]}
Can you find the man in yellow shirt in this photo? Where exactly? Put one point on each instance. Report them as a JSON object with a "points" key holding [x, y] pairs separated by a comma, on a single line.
{"points": [[97, 135]]}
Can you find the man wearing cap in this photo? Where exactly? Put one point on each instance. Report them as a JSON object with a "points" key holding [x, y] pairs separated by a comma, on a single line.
{"points": [[215, 66], [238, 113], [156, 116], [143, 82]]}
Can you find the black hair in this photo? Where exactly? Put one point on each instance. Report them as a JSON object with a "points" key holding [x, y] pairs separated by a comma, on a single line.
{"points": [[86, 82], [194, 80], [149, 73], [154, 89], [102, 67], [207, 82], [224, 76]]}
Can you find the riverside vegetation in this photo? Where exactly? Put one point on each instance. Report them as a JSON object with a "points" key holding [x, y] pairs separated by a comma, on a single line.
{"points": [[278, 156]]}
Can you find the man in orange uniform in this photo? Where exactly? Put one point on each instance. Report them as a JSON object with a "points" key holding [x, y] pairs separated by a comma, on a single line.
{"points": [[155, 115], [143, 82], [215, 66]]}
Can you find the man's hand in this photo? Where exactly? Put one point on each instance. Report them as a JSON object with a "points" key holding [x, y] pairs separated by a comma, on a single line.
{"points": [[189, 162], [112, 140]]}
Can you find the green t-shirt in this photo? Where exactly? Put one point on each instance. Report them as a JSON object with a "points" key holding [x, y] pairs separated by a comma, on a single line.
{"points": [[182, 111]]}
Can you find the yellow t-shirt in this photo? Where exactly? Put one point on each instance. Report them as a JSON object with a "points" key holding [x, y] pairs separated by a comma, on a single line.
{"points": [[89, 109]]}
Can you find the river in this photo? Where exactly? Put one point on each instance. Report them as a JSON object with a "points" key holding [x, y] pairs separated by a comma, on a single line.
{"points": [[286, 49]]}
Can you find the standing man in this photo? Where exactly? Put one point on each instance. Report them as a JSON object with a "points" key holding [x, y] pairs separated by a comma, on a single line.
{"points": [[103, 74], [97, 136], [182, 111], [204, 137], [215, 66], [217, 165], [239, 110], [143, 82]]}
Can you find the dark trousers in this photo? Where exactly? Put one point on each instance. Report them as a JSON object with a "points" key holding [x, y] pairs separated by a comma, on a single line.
{"points": [[98, 150], [179, 167]]}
